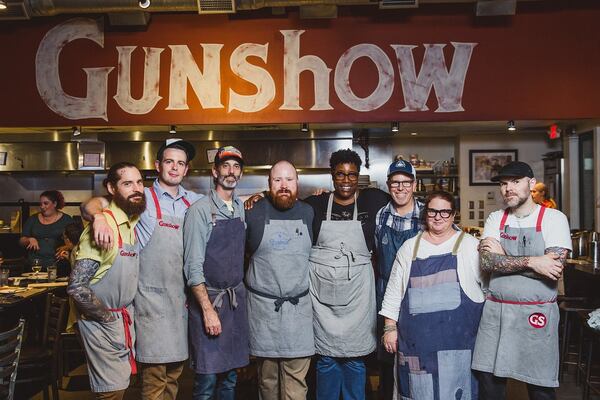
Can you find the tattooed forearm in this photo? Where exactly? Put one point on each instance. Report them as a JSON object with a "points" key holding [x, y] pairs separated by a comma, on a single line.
{"points": [[493, 262], [81, 293], [561, 251]]}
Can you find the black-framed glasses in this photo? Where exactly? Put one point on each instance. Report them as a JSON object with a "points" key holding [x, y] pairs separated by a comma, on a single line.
{"points": [[352, 176], [432, 212], [404, 184]]}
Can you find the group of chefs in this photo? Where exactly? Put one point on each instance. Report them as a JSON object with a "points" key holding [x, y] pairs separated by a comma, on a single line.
{"points": [[159, 278]]}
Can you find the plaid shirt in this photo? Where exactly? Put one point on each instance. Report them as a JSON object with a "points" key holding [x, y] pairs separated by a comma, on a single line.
{"points": [[387, 215]]}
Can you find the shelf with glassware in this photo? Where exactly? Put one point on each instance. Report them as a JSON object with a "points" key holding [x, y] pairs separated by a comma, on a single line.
{"points": [[427, 181]]}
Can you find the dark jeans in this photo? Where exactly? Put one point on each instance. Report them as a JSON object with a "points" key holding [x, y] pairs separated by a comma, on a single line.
{"points": [[494, 388]]}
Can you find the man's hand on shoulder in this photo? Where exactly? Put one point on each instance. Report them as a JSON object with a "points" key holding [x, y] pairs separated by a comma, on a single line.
{"points": [[103, 233]]}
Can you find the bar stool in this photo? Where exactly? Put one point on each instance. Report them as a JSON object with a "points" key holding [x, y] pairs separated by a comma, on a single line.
{"points": [[569, 307], [591, 365]]}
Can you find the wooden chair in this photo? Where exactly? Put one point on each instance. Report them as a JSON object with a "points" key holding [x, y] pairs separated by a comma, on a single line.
{"points": [[39, 363], [10, 350]]}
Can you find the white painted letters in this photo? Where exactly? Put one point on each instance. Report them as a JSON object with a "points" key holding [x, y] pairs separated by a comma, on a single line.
{"points": [[259, 77]]}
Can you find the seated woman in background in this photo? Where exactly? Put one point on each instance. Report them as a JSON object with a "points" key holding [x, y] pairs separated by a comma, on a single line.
{"points": [[65, 255], [432, 307], [42, 232], [539, 195]]}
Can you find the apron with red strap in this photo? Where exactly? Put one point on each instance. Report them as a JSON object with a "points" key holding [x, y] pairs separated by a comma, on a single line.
{"points": [[518, 332], [109, 345]]}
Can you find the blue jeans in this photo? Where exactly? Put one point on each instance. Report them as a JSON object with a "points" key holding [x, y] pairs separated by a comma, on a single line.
{"points": [[345, 375], [215, 386]]}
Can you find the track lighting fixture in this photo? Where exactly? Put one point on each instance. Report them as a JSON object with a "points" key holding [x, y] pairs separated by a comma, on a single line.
{"points": [[510, 125], [144, 4], [173, 130], [304, 127], [3, 5], [395, 127], [76, 131]]}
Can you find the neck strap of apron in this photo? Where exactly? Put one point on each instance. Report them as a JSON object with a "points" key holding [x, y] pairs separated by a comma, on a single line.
{"points": [[454, 249], [330, 206], [118, 230], [157, 204], [538, 224]]}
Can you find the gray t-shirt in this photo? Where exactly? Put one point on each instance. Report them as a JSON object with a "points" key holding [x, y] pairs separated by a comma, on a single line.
{"points": [[256, 219]]}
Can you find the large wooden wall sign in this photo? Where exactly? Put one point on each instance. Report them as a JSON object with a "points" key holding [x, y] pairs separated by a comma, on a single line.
{"points": [[190, 69]]}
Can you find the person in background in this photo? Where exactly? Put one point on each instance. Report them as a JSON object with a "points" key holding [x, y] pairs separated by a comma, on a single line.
{"points": [[42, 232], [524, 248], [540, 196], [66, 254], [214, 236], [432, 307], [396, 222], [279, 308], [103, 284]]}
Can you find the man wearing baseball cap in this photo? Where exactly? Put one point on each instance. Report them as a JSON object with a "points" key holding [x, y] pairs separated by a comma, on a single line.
{"points": [[524, 248], [214, 240], [161, 315], [396, 222]]}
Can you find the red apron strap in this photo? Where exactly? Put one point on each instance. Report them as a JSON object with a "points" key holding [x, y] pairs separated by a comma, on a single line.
{"points": [[503, 220], [128, 341], [156, 203], [186, 202], [118, 230], [538, 225]]}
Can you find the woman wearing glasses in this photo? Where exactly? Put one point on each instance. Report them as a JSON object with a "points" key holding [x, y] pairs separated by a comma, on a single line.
{"points": [[432, 306]]}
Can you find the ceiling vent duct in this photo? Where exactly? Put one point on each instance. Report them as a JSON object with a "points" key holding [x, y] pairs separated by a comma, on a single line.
{"points": [[383, 4], [216, 6], [18, 10], [494, 8]]}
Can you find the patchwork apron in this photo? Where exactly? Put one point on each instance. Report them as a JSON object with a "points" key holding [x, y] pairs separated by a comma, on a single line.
{"points": [[389, 242], [342, 288], [160, 309], [109, 346], [518, 334], [224, 272], [436, 331], [279, 308]]}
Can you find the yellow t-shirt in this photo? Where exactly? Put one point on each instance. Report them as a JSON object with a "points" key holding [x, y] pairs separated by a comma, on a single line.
{"points": [[88, 248]]}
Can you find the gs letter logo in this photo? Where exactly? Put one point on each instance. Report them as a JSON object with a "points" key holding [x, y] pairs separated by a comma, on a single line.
{"points": [[537, 320]]}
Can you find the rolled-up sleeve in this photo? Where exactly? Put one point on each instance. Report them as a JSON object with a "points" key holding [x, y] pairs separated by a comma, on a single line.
{"points": [[196, 231], [396, 287]]}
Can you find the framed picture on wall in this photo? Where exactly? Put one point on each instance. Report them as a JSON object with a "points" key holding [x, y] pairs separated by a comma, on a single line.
{"points": [[484, 164]]}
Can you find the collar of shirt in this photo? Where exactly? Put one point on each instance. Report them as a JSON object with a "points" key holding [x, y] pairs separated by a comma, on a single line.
{"points": [[222, 207], [181, 192], [416, 212], [120, 215]]}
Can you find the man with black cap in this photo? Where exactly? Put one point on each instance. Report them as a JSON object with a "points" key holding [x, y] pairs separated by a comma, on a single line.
{"points": [[396, 222], [524, 248], [214, 238], [161, 315]]}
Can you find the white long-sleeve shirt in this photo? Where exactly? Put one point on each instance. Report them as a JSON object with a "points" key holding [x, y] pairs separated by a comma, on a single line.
{"points": [[470, 276]]}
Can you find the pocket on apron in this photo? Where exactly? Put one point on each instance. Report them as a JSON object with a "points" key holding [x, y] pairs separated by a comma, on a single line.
{"points": [[150, 302], [421, 386], [331, 290], [536, 321], [442, 297]]}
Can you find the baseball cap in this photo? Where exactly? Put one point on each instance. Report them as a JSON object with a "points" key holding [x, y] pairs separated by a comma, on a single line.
{"points": [[228, 152], [403, 167], [180, 144], [514, 169]]}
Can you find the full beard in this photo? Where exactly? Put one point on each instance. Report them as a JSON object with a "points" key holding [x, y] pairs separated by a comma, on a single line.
{"points": [[283, 202], [130, 207]]}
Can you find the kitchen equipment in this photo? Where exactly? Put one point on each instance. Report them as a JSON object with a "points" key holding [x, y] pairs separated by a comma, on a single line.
{"points": [[593, 251], [579, 241]]}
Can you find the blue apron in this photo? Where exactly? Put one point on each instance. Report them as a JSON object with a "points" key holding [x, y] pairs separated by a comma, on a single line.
{"points": [[224, 273], [436, 331]]}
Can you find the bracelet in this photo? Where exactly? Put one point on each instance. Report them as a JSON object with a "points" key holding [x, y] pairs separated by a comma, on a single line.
{"points": [[389, 328]]}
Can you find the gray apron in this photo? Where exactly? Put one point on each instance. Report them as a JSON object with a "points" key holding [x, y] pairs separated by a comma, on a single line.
{"points": [[342, 287], [160, 311], [279, 308], [109, 346], [518, 332]]}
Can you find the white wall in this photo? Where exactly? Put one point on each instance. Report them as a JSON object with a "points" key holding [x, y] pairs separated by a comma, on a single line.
{"points": [[530, 146]]}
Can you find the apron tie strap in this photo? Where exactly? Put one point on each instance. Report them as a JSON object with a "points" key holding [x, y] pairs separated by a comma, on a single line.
{"points": [[128, 340], [229, 291], [346, 253], [278, 300]]}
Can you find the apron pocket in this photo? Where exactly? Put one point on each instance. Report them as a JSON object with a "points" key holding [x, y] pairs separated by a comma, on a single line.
{"points": [[150, 302], [421, 386], [442, 297], [329, 289], [537, 321]]}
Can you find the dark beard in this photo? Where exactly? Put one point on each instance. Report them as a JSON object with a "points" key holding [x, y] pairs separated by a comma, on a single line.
{"points": [[283, 203], [130, 208]]}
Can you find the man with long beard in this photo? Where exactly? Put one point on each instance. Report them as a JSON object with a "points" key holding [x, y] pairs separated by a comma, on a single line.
{"points": [[103, 284], [213, 237], [279, 239]]}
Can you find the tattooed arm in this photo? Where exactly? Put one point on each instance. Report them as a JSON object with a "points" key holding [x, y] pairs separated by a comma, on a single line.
{"points": [[81, 293]]}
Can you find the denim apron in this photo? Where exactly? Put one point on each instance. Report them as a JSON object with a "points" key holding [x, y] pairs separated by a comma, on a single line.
{"points": [[342, 287], [279, 308], [161, 314], [224, 273], [518, 335], [436, 331], [109, 346]]}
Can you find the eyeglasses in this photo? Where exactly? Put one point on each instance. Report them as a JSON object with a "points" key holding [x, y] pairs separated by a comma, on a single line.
{"points": [[432, 212], [397, 184], [352, 176]]}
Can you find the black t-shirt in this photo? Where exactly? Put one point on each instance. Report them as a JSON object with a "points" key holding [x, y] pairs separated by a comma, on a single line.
{"points": [[370, 200], [255, 220]]}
